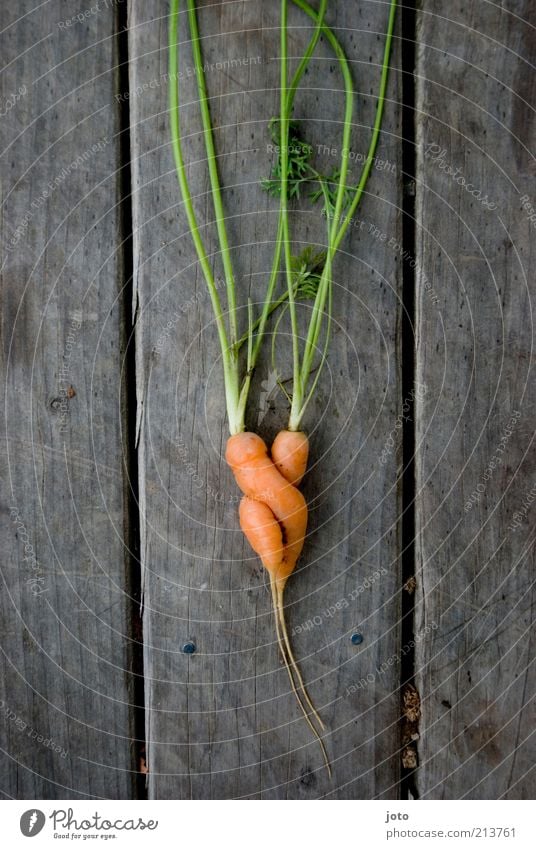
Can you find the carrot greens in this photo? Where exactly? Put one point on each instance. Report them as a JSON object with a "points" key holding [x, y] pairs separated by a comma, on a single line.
{"points": [[237, 385], [292, 171]]}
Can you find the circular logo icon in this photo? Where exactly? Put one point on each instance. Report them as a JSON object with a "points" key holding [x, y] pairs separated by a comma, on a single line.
{"points": [[31, 822]]}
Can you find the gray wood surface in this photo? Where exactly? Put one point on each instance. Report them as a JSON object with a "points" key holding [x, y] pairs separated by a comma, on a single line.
{"points": [[221, 722], [475, 425], [65, 720]]}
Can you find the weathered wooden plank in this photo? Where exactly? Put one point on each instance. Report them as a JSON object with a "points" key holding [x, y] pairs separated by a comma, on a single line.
{"points": [[65, 681], [221, 722], [475, 425]]}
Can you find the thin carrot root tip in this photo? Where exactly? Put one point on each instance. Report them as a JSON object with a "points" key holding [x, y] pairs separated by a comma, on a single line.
{"points": [[292, 659], [292, 668], [273, 517]]}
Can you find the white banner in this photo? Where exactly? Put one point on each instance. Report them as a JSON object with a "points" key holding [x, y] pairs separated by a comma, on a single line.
{"points": [[268, 824]]}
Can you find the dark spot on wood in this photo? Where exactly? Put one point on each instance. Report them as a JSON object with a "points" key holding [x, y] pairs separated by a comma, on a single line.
{"points": [[308, 778]]}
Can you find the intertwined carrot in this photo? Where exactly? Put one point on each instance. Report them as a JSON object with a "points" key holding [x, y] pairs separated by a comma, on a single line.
{"points": [[273, 517]]}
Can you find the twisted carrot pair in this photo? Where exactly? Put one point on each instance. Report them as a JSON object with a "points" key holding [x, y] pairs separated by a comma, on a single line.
{"points": [[273, 517]]}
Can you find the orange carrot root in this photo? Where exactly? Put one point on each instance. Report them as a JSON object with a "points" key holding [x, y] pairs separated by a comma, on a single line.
{"points": [[262, 530], [259, 479], [273, 517], [290, 452]]}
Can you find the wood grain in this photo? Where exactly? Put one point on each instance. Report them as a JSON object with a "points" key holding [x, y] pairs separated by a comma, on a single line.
{"points": [[221, 722], [475, 424], [65, 620]]}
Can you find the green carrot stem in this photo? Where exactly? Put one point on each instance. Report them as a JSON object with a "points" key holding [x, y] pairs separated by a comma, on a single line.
{"points": [[269, 306], [324, 354], [213, 172], [300, 70], [229, 366], [283, 152], [338, 232], [250, 334], [235, 399], [325, 281], [287, 101], [273, 306], [367, 166], [345, 69]]}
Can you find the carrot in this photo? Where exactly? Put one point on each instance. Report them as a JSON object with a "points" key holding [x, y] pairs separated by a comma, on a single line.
{"points": [[273, 512], [273, 517], [262, 530], [290, 452], [260, 480]]}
